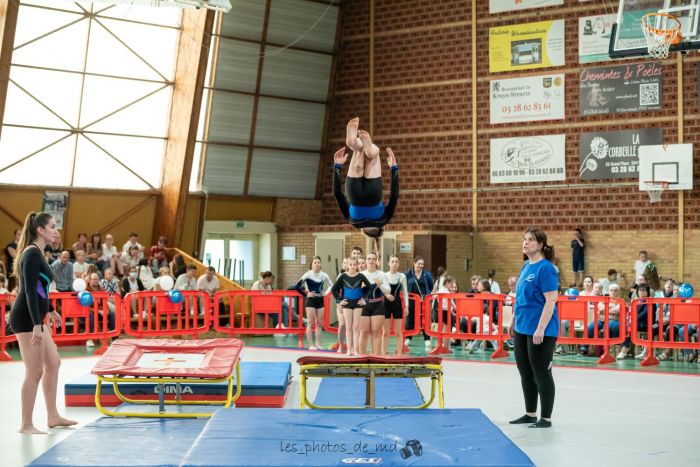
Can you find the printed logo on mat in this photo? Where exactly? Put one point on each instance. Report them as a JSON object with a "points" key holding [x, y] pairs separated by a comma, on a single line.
{"points": [[362, 460]]}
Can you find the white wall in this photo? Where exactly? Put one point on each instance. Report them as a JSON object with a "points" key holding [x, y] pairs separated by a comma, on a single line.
{"points": [[266, 233]]}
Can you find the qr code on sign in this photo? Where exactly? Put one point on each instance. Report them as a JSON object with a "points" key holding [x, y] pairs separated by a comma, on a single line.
{"points": [[649, 94]]}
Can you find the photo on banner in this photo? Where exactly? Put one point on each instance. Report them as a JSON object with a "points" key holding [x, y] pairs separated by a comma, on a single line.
{"points": [[526, 46], [55, 203], [594, 37], [499, 6], [622, 88], [528, 159], [614, 154], [527, 99]]}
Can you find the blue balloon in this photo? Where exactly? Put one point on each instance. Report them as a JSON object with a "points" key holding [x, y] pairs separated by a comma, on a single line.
{"points": [[571, 292], [85, 298], [174, 295], [685, 290]]}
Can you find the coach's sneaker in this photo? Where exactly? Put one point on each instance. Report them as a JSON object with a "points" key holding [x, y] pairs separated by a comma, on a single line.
{"points": [[407, 342], [89, 343]]}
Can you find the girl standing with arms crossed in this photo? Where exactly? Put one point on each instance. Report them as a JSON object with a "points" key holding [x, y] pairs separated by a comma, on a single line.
{"points": [[39, 353], [536, 328]]}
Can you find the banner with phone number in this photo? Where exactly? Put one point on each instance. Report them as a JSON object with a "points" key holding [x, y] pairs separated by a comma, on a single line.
{"points": [[527, 99]]}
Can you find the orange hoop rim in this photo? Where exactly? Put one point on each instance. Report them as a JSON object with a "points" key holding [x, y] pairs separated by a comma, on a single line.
{"points": [[659, 185], [673, 33]]}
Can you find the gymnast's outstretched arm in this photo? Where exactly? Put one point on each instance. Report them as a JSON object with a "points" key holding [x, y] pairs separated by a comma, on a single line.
{"points": [[339, 159], [394, 194]]}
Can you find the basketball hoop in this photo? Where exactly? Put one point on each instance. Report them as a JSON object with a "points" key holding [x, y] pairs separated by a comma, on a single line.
{"points": [[659, 39], [655, 190]]}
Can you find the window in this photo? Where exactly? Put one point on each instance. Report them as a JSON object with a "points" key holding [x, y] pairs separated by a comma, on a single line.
{"points": [[89, 95]]}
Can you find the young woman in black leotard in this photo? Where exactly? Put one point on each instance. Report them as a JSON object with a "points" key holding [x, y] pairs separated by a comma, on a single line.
{"points": [[29, 312], [350, 289]]}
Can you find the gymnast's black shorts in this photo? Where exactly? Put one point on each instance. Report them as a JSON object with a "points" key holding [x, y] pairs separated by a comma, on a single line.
{"points": [[374, 308], [313, 302], [393, 309], [362, 191]]}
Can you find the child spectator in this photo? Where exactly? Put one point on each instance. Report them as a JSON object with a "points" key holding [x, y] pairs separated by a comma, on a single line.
{"points": [[177, 266], [133, 241], [159, 254], [110, 256], [577, 247], [612, 279], [79, 266], [145, 274]]}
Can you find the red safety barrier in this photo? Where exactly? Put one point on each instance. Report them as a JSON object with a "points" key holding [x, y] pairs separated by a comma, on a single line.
{"points": [[76, 319], [153, 313], [4, 338], [577, 313], [467, 317], [667, 319], [231, 317]]}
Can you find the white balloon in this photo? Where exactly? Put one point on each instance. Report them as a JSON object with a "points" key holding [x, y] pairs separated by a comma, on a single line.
{"points": [[166, 283], [79, 285]]}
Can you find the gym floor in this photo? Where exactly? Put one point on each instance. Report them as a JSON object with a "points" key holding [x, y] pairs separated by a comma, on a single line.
{"points": [[601, 417]]}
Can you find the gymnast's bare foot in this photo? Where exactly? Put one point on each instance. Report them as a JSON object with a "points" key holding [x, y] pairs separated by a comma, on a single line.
{"points": [[351, 135], [60, 421], [371, 150], [31, 430]]}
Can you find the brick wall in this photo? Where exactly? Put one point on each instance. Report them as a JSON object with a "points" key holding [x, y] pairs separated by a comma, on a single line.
{"points": [[423, 111]]}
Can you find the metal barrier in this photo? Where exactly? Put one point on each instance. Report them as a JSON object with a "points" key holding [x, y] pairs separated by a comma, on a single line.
{"points": [[668, 319], [4, 337], [591, 314], [83, 323], [153, 313], [229, 312], [462, 317]]}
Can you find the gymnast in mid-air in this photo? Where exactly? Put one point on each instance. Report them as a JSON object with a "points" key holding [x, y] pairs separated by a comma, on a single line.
{"points": [[361, 201]]}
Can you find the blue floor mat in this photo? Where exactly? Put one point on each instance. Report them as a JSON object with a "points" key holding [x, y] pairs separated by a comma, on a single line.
{"points": [[351, 392]]}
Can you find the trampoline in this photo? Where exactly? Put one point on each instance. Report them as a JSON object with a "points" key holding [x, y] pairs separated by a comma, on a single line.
{"points": [[169, 361], [370, 368]]}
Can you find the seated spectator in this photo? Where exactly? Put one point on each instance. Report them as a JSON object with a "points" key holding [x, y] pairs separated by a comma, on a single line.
{"points": [[159, 254], [642, 322], [94, 286], [613, 318], [670, 290], [495, 287], [488, 326], [94, 250], [132, 283], [53, 251], [446, 307], [62, 270], [91, 269], [110, 284], [587, 287], [110, 256], [131, 258], [474, 283], [2, 268], [79, 266], [10, 255], [3, 285], [613, 278], [145, 274], [265, 283], [641, 279], [209, 283], [133, 242], [598, 289], [162, 273], [177, 266], [187, 280], [691, 330], [81, 244]]}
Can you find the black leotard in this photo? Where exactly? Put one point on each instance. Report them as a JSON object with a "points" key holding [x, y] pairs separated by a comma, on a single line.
{"points": [[353, 289], [366, 195], [32, 302]]}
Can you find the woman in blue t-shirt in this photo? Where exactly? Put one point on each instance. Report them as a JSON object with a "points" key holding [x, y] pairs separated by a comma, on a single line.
{"points": [[536, 327]]}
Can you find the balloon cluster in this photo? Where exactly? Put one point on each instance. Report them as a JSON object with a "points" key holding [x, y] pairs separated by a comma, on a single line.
{"points": [[571, 292], [85, 298]]}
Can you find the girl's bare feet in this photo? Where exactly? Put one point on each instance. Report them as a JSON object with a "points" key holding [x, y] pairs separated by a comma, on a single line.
{"points": [[60, 421], [351, 135], [370, 149], [31, 430]]}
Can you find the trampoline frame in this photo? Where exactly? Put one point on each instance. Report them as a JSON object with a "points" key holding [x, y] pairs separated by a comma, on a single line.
{"points": [[161, 401], [372, 371]]}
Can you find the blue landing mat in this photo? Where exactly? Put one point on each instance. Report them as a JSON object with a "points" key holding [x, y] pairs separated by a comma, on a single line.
{"points": [[259, 379], [273, 437], [351, 392], [124, 441]]}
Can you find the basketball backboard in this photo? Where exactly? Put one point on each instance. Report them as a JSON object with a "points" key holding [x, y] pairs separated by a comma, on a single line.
{"points": [[627, 36], [670, 163]]}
